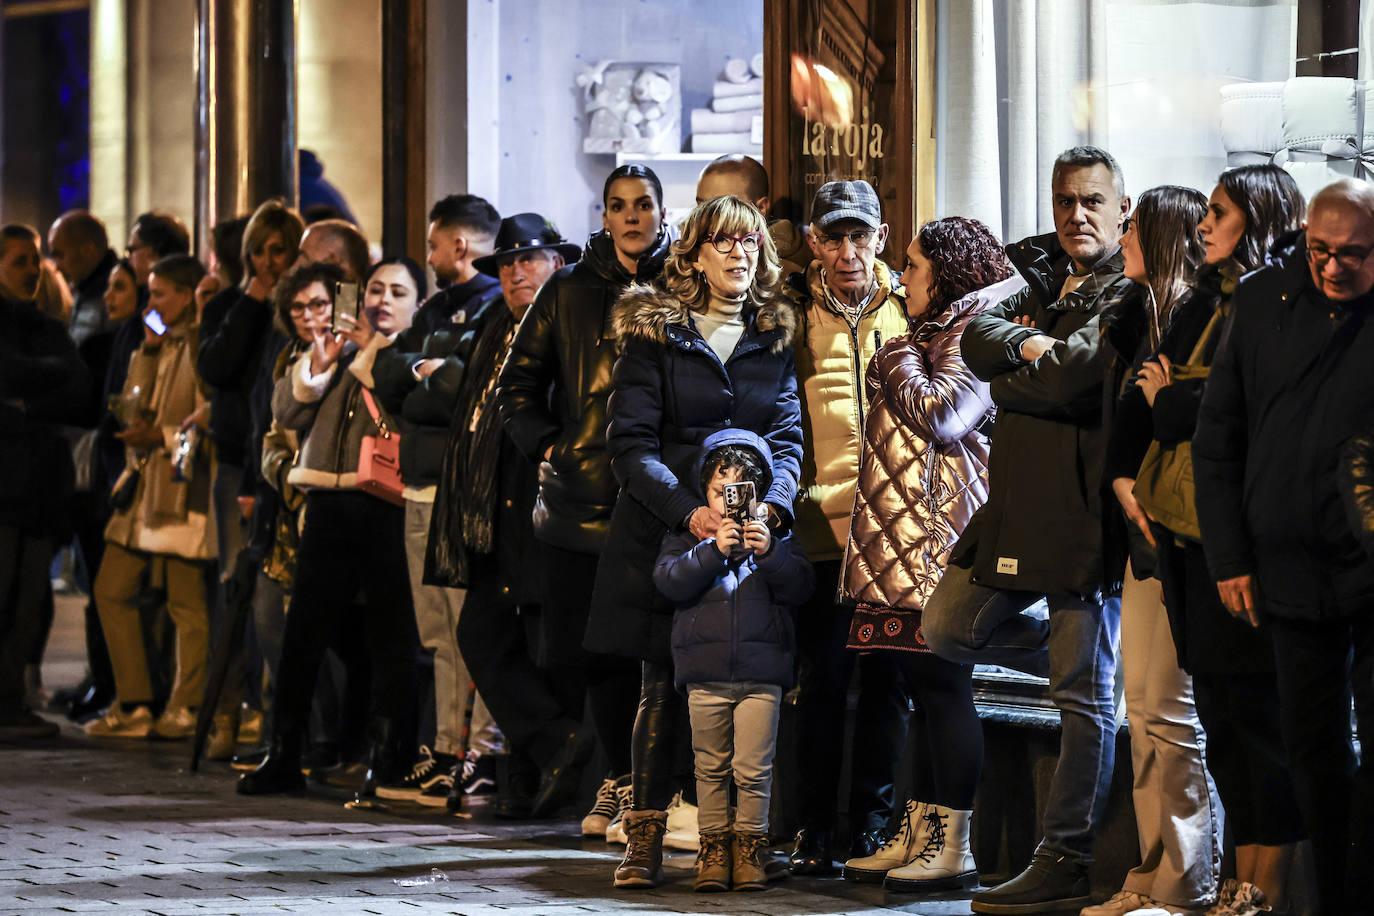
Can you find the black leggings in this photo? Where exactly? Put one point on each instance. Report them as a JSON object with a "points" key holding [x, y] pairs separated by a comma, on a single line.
{"points": [[661, 721], [948, 765], [1245, 755]]}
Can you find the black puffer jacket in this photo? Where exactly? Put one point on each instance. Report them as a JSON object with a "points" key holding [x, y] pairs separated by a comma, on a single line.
{"points": [[425, 406], [1288, 389], [670, 392], [553, 390], [1041, 529]]}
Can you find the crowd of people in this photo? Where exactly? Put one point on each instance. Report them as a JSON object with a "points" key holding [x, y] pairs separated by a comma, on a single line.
{"points": [[622, 501]]}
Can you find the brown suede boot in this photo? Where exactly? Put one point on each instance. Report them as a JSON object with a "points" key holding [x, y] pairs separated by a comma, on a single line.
{"points": [[714, 864], [749, 850], [643, 862]]}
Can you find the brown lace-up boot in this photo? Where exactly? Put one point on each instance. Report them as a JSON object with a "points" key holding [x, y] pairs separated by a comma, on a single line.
{"points": [[713, 862], [643, 862], [748, 861]]}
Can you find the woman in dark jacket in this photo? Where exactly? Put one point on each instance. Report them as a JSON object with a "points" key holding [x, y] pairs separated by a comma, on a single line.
{"points": [[552, 397], [922, 476], [1231, 663], [714, 350]]}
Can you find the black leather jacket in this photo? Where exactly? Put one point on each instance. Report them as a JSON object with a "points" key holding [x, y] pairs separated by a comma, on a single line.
{"points": [[553, 389]]}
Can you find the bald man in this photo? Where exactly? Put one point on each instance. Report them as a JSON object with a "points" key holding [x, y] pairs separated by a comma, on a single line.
{"points": [[1289, 386], [744, 178], [81, 247]]}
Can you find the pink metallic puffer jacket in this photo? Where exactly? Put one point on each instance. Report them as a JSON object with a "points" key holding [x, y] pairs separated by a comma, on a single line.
{"points": [[924, 468]]}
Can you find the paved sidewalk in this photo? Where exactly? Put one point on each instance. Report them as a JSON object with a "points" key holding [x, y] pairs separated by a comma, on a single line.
{"points": [[101, 826], [95, 826]]}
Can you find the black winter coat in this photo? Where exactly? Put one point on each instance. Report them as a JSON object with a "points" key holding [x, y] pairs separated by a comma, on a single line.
{"points": [[233, 330], [668, 393], [1041, 529], [553, 390], [1289, 387], [42, 386], [425, 406]]}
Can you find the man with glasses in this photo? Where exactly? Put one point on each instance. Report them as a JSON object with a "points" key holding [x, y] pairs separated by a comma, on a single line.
{"points": [[1041, 534], [1289, 386], [851, 304]]}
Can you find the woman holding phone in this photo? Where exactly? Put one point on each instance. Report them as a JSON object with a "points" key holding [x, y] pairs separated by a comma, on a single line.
{"points": [[352, 540], [713, 350]]}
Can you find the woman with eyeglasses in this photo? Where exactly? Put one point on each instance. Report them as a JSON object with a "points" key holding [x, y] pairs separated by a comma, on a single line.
{"points": [[1190, 654], [711, 351]]}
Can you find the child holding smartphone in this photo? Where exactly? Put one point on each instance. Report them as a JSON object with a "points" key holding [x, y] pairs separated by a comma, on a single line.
{"points": [[733, 647]]}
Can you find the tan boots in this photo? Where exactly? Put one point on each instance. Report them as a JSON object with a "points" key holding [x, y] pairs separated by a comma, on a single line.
{"points": [[726, 860]]}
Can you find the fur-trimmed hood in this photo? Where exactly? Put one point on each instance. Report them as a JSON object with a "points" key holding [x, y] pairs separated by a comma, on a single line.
{"points": [[646, 311]]}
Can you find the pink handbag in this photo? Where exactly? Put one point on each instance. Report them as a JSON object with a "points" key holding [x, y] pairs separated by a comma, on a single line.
{"points": [[379, 459]]}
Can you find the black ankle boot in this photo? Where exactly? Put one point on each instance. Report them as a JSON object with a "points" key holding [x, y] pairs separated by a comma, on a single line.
{"points": [[380, 759], [280, 771]]}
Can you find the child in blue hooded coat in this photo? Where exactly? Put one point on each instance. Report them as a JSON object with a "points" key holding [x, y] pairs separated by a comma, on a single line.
{"points": [[733, 646]]}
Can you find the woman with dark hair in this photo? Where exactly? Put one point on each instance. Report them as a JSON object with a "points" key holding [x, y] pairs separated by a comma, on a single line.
{"points": [[552, 397], [1178, 822], [352, 539], [1189, 667], [922, 476], [713, 350]]}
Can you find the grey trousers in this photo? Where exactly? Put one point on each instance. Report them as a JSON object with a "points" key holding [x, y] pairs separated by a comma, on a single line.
{"points": [[1177, 813], [734, 733]]}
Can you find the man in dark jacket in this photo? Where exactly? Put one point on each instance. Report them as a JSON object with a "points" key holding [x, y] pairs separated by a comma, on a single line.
{"points": [[42, 380], [417, 380], [489, 538], [552, 397], [1290, 385], [81, 248], [1040, 534]]}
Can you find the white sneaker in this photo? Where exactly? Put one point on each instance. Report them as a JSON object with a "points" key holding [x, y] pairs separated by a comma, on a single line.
{"points": [[116, 723], [175, 723], [615, 830], [1119, 904], [682, 826]]}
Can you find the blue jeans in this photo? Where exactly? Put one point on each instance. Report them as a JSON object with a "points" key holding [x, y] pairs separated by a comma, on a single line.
{"points": [[1077, 650]]}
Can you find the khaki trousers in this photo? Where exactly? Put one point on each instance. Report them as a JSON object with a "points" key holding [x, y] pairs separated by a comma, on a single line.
{"points": [[121, 578], [1178, 815]]}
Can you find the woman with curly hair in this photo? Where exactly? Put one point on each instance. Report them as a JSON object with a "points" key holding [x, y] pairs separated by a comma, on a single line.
{"points": [[923, 474]]}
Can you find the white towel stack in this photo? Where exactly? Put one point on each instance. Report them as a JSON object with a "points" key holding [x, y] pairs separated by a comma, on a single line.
{"points": [[734, 122]]}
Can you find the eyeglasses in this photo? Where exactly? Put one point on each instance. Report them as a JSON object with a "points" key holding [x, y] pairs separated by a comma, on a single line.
{"points": [[314, 305], [1348, 258], [860, 238], [726, 243]]}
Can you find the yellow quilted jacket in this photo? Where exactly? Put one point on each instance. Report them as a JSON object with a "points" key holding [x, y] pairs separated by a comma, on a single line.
{"points": [[832, 356]]}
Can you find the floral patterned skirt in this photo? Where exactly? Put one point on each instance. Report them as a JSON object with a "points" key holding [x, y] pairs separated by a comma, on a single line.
{"points": [[893, 629]]}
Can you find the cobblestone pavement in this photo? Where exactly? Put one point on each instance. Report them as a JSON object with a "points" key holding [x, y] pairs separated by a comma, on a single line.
{"points": [[94, 826]]}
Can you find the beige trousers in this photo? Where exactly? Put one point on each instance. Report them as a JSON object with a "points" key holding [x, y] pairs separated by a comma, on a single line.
{"points": [[121, 577], [436, 619], [1177, 812]]}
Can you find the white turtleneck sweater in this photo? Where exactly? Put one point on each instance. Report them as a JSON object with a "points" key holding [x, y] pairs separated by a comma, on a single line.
{"points": [[721, 325]]}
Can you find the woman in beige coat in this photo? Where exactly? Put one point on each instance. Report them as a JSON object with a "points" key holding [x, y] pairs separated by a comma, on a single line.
{"points": [[923, 474]]}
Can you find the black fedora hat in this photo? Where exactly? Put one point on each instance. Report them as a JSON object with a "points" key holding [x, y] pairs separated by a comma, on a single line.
{"points": [[526, 232]]}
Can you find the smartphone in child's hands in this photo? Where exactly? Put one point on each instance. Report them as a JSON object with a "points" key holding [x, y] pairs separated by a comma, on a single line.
{"points": [[345, 303], [740, 500]]}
